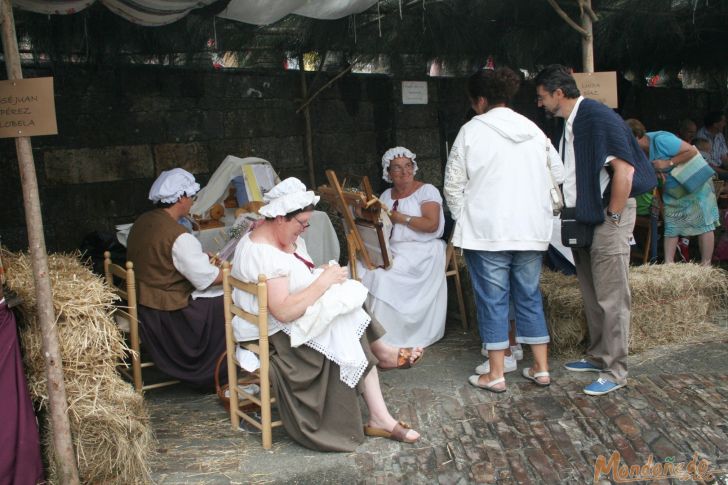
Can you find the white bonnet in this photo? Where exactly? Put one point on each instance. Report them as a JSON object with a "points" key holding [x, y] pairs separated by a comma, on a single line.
{"points": [[173, 184], [390, 155], [286, 197]]}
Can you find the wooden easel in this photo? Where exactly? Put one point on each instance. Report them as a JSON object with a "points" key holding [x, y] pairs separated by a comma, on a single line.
{"points": [[358, 208]]}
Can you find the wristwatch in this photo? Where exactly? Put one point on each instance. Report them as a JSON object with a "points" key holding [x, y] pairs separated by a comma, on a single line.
{"points": [[407, 220], [614, 216]]}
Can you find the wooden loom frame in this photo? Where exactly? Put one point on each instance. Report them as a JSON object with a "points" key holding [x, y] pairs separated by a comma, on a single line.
{"points": [[367, 209]]}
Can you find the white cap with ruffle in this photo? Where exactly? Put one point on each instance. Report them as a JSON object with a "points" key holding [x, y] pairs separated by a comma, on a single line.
{"points": [[390, 155], [173, 184], [286, 197]]}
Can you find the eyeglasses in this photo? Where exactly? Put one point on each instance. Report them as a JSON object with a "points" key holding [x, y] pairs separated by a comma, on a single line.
{"points": [[304, 225], [401, 168]]}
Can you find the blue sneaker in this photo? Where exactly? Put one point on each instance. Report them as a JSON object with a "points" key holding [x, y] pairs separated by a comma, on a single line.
{"points": [[601, 386], [582, 365]]}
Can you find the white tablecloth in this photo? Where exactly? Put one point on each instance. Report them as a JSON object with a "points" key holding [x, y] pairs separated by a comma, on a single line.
{"points": [[320, 237]]}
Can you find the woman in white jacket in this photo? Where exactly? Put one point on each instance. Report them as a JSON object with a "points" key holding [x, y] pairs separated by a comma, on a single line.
{"points": [[497, 186]]}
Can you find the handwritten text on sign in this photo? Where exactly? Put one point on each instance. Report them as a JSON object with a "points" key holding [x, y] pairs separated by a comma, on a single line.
{"points": [[600, 86], [27, 108], [414, 92]]}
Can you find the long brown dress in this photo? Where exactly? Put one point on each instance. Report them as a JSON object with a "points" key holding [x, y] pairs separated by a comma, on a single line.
{"points": [[318, 410]]}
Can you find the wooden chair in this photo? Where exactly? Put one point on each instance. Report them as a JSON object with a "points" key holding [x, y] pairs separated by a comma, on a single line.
{"points": [[452, 269], [128, 321], [238, 396], [646, 227]]}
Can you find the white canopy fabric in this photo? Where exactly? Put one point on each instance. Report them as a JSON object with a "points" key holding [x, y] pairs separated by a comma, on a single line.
{"points": [[154, 13]]}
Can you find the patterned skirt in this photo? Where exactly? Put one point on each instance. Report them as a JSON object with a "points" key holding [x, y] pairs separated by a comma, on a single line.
{"points": [[693, 214]]}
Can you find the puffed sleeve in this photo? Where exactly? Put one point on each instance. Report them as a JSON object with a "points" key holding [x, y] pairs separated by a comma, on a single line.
{"points": [[190, 260]]}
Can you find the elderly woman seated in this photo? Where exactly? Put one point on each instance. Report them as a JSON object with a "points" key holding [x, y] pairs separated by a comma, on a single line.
{"points": [[325, 348], [410, 298]]}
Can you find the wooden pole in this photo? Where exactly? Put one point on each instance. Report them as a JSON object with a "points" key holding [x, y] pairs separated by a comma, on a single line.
{"points": [[587, 40], [307, 126], [61, 428]]}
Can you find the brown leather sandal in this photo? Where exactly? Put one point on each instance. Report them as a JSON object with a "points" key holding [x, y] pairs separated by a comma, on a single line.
{"points": [[398, 433], [403, 359]]}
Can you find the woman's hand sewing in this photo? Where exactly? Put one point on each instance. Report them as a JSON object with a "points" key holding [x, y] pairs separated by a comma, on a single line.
{"points": [[333, 274]]}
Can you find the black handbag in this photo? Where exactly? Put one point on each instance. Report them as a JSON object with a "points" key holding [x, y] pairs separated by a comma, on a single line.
{"points": [[575, 234]]}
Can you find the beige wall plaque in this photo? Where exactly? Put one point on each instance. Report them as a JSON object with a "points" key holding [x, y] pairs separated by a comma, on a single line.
{"points": [[600, 86], [27, 108], [414, 92]]}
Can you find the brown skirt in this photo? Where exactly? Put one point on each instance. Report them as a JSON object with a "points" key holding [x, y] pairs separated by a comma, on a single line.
{"points": [[185, 344], [318, 410]]}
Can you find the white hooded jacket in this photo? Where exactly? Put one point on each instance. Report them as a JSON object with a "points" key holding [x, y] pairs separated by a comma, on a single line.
{"points": [[497, 183]]}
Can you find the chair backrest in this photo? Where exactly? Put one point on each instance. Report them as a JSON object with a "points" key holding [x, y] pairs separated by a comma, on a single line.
{"points": [[240, 397], [126, 289], [452, 269], [128, 320]]}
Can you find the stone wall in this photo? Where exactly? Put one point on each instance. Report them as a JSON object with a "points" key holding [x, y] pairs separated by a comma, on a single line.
{"points": [[118, 129]]}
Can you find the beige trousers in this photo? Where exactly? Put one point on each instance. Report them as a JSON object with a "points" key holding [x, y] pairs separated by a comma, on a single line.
{"points": [[602, 271]]}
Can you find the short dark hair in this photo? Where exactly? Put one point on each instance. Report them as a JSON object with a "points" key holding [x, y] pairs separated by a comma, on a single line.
{"points": [[497, 86], [712, 118], [638, 129], [555, 77], [165, 205]]}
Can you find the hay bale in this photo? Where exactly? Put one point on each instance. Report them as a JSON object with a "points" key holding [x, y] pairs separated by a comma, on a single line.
{"points": [[112, 436], [670, 304], [564, 311]]}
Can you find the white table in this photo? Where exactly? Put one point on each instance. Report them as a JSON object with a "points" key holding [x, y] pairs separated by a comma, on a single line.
{"points": [[320, 237]]}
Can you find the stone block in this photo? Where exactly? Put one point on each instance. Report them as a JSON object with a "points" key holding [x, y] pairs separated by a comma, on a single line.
{"points": [[247, 123], [430, 170], [190, 156], [285, 152], [91, 165], [425, 142], [417, 116], [194, 125], [329, 116]]}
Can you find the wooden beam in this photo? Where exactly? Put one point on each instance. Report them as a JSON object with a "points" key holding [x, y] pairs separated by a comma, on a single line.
{"points": [[60, 427]]}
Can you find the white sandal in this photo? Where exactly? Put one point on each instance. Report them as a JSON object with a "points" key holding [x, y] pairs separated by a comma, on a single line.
{"points": [[535, 376], [488, 386]]}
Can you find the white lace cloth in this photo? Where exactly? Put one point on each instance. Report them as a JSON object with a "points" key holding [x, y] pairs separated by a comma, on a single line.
{"points": [[332, 325]]}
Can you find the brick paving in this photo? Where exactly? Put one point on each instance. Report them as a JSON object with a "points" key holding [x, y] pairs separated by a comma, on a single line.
{"points": [[675, 406]]}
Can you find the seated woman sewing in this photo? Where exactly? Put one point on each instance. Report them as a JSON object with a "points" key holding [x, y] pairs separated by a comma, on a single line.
{"points": [[325, 348], [410, 298], [181, 312]]}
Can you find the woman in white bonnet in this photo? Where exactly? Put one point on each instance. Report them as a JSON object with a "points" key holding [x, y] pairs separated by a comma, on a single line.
{"points": [[410, 298], [180, 300], [316, 387]]}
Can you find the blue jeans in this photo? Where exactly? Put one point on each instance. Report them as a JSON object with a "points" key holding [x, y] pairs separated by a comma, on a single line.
{"points": [[498, 276]]}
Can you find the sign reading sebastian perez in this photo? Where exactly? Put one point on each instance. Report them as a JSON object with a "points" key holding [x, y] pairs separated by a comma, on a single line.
{"points": [[27, 108]]}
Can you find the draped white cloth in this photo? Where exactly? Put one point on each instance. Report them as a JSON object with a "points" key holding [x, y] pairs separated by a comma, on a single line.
{"points": [[161, 12]]}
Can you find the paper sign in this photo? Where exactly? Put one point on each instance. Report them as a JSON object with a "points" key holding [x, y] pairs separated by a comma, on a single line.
{"points": [[27, 108], [414, 92], [600, 86]]}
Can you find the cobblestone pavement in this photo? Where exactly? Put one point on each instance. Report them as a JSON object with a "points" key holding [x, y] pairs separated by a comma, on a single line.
{"points": [[674, 407]]}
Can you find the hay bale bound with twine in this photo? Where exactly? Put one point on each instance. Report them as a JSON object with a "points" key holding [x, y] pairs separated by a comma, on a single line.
{"points": [[672, 303], [112, 436]]}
